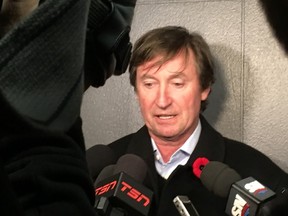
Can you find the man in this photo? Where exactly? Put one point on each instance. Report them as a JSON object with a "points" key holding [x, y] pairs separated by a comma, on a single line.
{"points": [[172, 72]]}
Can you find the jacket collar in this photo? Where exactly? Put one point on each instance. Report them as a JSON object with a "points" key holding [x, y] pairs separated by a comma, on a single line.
{"points": [[210, 145]]}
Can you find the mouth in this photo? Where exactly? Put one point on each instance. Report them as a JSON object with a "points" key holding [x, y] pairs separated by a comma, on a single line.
{"points": [[165, 117]]}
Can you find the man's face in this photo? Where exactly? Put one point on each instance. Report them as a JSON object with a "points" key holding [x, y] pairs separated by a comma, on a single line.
{"points": [[170, 97]]}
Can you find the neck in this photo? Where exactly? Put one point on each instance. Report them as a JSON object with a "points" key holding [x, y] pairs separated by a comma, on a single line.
{"points": [[167, 147], [167, 151]]}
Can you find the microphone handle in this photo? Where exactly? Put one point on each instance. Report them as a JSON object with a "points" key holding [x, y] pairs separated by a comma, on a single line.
{"points": [[104, 208]]}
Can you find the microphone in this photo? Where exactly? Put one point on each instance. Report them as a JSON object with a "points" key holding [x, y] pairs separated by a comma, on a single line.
{"points": [[245, 196], [105, 173], [98, 157], [123, 189], [185, 206], [132, 165], [103, 205]]}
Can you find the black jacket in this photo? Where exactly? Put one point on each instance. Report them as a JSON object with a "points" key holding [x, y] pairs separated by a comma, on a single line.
{"points": [[212, 145]]}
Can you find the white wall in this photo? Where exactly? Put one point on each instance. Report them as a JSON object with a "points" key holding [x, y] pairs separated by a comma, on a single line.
{"points": [[249, 101]]}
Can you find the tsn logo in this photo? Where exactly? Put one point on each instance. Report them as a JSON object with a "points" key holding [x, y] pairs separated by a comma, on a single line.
{"points": [[127, 189], [105, 188]]}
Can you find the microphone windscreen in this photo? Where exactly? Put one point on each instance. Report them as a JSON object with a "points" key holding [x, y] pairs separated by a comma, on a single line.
{"points": [[217, 177], [132, 165], [105, 173], [98, 157]]}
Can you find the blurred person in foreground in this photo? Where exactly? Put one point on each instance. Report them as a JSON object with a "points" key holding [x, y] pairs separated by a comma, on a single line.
{"points": [[43, 65], [276, 12], [172, 72]]}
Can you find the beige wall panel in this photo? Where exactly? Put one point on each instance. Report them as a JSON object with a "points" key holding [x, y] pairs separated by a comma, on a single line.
{"points": [[266, 88]]}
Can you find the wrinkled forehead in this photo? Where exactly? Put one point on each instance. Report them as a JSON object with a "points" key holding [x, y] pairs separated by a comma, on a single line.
{"points": [[180, 61]]}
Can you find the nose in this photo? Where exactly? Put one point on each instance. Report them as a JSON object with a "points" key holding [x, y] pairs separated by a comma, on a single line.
{"points": [[163, 97]]}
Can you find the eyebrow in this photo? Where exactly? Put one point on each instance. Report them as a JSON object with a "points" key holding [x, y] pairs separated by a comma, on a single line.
{"points": [[146, 76], [175, 74]]}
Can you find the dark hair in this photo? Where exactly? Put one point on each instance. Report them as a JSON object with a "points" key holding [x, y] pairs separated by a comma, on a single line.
{"points": [[168, 42]]}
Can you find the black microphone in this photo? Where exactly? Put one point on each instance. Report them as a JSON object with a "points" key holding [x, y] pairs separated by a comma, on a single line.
{"points": [[98, 157], [123, 189], [245, 196], [105, 173], [102, 205], [132, 165]]}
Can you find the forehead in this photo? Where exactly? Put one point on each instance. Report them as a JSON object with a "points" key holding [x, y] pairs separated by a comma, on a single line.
{"points": [[182, 63]]}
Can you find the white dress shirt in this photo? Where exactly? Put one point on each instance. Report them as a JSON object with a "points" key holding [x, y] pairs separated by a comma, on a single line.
{"points": [[180, 157]]}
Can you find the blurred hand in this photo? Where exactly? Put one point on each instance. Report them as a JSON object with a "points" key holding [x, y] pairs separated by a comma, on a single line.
{"points": [[12, 11]]}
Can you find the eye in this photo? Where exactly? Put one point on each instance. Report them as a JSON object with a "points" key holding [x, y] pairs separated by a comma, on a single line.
{"points": [[178, 84], [149, 84]]}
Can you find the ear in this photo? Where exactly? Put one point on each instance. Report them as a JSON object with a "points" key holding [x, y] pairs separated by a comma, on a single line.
{"points": [[205, 93], [136, 94]]}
